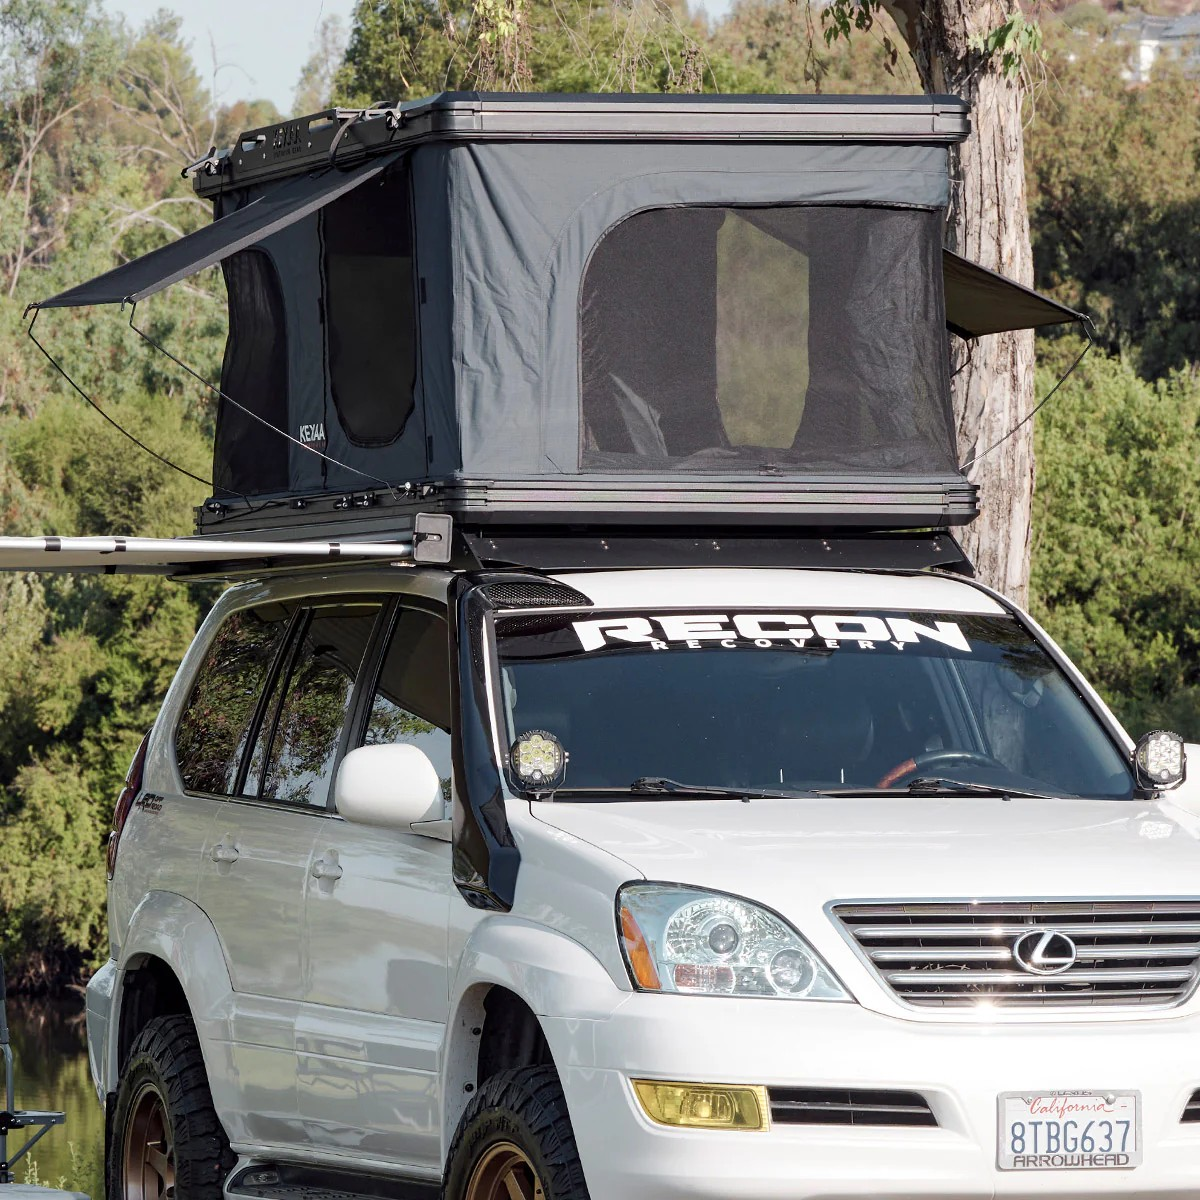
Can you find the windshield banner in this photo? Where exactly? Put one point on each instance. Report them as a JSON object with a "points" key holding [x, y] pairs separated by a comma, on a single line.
{"points": [[828, 631]]}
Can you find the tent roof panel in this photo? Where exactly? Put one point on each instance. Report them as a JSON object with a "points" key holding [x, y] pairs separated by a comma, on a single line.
{"points": [[349, 134]]}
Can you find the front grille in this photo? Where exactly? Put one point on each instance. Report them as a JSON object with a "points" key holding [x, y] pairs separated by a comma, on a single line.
{"points": [[837, 1106], [971, 955], [1191, 1111]]}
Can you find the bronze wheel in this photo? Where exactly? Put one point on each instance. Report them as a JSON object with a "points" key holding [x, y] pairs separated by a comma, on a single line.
{"points": [[166, 1141], [148, 1162], [515, 1142], [505, 1173]]}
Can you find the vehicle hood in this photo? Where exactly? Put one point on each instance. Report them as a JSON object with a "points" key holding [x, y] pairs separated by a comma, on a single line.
{"points": [[911, 847], [797, 856]]}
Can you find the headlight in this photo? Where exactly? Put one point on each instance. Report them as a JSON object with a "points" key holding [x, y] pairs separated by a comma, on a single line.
{"points": [[680, 939]]}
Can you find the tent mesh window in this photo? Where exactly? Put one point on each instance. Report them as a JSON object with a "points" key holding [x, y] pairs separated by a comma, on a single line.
{"points": [[777, 339], [250, 459], [370, 310]]}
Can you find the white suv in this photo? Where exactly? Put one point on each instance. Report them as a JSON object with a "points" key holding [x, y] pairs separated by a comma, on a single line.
{"points": [[753, 883]]}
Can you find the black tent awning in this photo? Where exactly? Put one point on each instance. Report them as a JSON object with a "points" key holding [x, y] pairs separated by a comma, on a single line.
{"points": [[979, 301], [142, 277]]}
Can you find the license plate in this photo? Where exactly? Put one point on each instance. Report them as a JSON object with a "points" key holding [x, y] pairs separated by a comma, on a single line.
{"points": [[1063, 1131]]}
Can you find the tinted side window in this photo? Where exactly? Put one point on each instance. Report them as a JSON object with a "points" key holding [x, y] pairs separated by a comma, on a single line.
{"points": [[411, 702], [300, 734], [216, 723], [370, 319]]}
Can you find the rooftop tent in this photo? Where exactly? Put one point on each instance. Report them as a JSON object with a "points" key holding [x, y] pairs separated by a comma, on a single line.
{"points": [[532, 309]]}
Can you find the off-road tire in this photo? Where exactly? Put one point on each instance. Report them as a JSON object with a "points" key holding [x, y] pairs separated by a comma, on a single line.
{"points": [[525, 1108], [165, 1068]]}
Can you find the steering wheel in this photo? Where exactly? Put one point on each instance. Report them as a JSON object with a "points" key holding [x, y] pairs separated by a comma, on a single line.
{"points": [[931, 760]]}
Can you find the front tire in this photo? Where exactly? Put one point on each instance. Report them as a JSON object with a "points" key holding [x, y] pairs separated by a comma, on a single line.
{"points": [[167, 1143], [515, 1139]]}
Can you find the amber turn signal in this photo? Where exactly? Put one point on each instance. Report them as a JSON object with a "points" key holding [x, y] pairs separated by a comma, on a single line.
{"points": [[637, 953]]}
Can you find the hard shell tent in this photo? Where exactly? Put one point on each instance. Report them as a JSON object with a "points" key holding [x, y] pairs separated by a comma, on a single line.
{"points": [[532, 310]]}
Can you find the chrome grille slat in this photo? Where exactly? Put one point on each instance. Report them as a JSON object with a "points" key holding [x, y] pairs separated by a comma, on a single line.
{"points": [[1073, 978], [1071, 928], [961, 954]]}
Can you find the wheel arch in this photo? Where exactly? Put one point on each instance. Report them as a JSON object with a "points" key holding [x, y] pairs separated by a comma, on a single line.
{"points": [[513, 974], [171, 961]]}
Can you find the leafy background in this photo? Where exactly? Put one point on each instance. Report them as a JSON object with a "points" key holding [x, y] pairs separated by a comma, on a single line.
{"points": [[97, 118]]}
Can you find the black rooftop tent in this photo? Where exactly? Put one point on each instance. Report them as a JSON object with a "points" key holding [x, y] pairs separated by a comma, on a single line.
{"points": [[612, 310]]}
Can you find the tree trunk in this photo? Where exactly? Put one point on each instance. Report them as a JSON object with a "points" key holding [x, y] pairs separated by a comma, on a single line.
{"points": [[989, 223]]}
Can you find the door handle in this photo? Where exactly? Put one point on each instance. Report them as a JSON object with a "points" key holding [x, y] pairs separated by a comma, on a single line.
{"points": [[222, 853], [327, 868]]}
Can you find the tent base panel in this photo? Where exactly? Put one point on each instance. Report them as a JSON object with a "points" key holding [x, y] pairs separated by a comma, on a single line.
{"points": [[559, 550], [607, 506]]}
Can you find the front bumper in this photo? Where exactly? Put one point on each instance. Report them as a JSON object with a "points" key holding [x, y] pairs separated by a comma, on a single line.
{"points": [[959, 1068]]}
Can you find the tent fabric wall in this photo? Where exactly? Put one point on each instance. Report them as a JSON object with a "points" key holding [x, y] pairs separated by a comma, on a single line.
{"points": [[524, 222], [297, 255]]}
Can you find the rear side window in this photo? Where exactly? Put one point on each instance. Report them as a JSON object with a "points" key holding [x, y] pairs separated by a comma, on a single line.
{"points": [[297, 744], [216, 724], [411, 701], [370, 314]]}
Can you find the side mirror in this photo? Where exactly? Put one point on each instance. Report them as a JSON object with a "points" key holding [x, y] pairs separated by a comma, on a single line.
{"points": [[392, 787], [1160, 761]]}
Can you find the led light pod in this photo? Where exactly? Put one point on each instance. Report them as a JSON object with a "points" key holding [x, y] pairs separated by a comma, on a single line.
{"points": [[538, 759], [700, 943], [1160, 761]]}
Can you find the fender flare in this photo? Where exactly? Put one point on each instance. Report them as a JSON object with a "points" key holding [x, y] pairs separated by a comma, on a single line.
{"points": [[555, 976], [175, 930]]}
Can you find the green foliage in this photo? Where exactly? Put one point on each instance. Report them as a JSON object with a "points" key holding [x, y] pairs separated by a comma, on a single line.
{"points": [[401, 49], [1116, 556], [1017, 43], [94, 656], [1114, 186]]}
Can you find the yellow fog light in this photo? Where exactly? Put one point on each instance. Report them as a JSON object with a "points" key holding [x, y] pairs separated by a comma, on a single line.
{"points": [[704, 1105]]}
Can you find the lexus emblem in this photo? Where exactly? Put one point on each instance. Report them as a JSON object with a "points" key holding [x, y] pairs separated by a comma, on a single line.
{"points": [[1044, 952]]}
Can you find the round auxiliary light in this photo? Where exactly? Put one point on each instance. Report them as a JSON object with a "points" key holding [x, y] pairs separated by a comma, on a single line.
{"points": [[538, 759], [1159, 760]]}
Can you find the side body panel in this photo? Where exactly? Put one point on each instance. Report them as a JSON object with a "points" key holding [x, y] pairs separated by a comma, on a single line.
{"points": [[370, 1030]]}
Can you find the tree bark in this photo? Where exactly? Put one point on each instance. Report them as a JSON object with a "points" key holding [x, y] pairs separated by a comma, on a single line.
{"points": [[988, 222]]}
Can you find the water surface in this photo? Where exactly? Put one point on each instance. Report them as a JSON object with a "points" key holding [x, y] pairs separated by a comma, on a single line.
{"points": [[50, 1047]]}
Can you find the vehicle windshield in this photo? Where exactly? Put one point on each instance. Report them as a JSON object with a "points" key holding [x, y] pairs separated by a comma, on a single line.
{"points": [[801, 702]]}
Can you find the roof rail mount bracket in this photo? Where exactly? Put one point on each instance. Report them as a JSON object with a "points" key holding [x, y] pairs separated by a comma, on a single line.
{"points": [[432, 533]]}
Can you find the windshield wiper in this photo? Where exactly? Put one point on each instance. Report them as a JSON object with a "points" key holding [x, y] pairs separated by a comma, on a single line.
{"points": [[656, 785], [938, 785]]}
